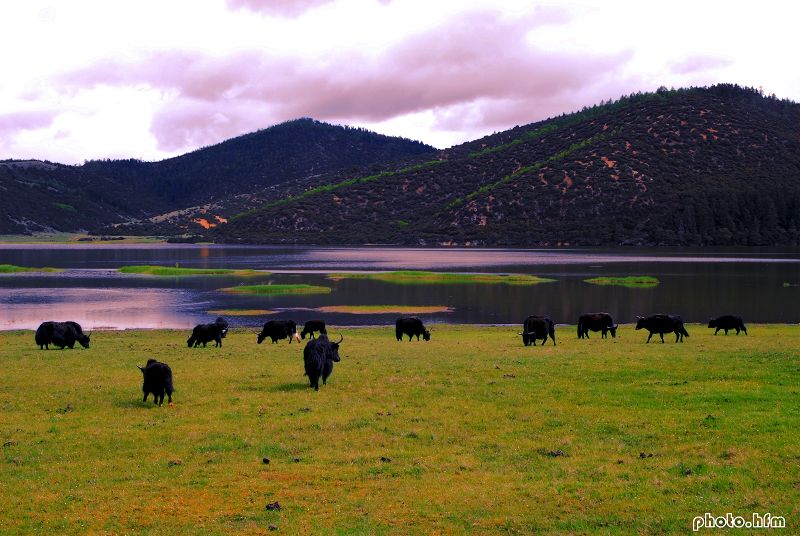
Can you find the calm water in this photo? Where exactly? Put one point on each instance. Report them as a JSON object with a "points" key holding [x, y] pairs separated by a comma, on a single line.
{"points": [[695, 284]]}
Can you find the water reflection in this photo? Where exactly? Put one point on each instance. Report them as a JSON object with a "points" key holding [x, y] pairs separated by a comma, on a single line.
{"points": [[93, 308], [713, 282]]}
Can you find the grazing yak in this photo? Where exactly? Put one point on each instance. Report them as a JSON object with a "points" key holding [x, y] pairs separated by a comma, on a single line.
{"points": [[60, 334], [726, 322], [318, 357], [279, 329], [157, 380], [311, 326], [538, 327], [596, 322], [205, 333], [662, 324], [411, 327]]}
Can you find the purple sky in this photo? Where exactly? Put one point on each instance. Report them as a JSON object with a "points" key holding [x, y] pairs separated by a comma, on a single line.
{"points": [[151, 79]]}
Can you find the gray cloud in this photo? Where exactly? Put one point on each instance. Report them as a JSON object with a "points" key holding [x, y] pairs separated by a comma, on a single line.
{"points": [[15, 122], [693, 64]]}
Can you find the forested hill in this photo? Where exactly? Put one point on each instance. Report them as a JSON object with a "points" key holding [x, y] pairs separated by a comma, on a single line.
{"points": [[43, 196], [698, 166]]}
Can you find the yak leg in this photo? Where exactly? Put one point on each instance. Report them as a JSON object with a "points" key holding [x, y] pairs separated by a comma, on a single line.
{"points": [[726, 331], [145, 396], [314, 380], [648, 337], [717, 331], [662, 338]]}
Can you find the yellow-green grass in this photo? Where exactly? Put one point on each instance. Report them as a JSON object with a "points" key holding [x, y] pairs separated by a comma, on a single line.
{"points": [[412, 277], [469, 433], [13, 269], [173, 271], [241, 312], [381, 309], [300, 288], [631, 281]]}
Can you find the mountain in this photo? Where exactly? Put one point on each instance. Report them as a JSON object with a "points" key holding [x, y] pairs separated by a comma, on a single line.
{"points": [[697, 166], [44, 196]]}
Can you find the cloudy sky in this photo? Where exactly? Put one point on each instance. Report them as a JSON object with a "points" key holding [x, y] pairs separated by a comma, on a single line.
{"points": [[154, 78]]}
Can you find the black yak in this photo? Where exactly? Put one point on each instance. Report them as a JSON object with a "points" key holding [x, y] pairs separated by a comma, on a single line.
{"points": [[538, 327], [311, 326], [596, 322], [157, 380], [727, 322], [60, 334], [411, 327], [662, 324], [205, 333], [279, 329], [318, 357]]}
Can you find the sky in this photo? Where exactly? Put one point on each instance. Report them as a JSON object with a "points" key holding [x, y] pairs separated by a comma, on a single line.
{"points": [[150, 79]]}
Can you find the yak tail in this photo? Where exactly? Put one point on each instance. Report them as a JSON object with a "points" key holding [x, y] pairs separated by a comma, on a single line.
{"points": [[579, 329]]}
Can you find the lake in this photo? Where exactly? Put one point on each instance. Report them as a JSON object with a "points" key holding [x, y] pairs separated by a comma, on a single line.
{"points": [[762, 285]]}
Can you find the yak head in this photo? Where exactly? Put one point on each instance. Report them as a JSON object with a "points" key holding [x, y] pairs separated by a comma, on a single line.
{"points": [[223, 326], [426, 335], [144, 368], [712, 323], [83, 339], [335, 348], [639, 322], [613, 331]]}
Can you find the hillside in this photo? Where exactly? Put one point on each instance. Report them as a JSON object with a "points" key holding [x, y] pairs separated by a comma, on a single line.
{"points": [[43, 196], [699, 166]]}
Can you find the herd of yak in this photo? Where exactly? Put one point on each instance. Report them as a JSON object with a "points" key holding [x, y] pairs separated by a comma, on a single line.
{"points": [[320, 353]]}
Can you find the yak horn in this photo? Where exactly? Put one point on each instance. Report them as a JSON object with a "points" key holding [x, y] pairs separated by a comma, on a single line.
{"points": [[341, 338]]}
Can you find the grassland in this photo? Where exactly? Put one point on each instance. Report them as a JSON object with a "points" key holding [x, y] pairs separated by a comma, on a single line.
{"points": [[175, 271], [413, 277], [301, 288], [13, 269], [387, 309], [470, 433], [631, 281]]}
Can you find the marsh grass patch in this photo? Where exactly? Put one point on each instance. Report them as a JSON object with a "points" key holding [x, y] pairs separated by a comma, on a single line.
{"points": [[241, 312], [416, 277], [630, 281], [266, 290], [13, 269], [385, 309], [177, 271]]}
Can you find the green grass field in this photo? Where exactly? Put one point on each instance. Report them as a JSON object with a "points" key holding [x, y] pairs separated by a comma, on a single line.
{"points": [[414, 277], [470, 433]]}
